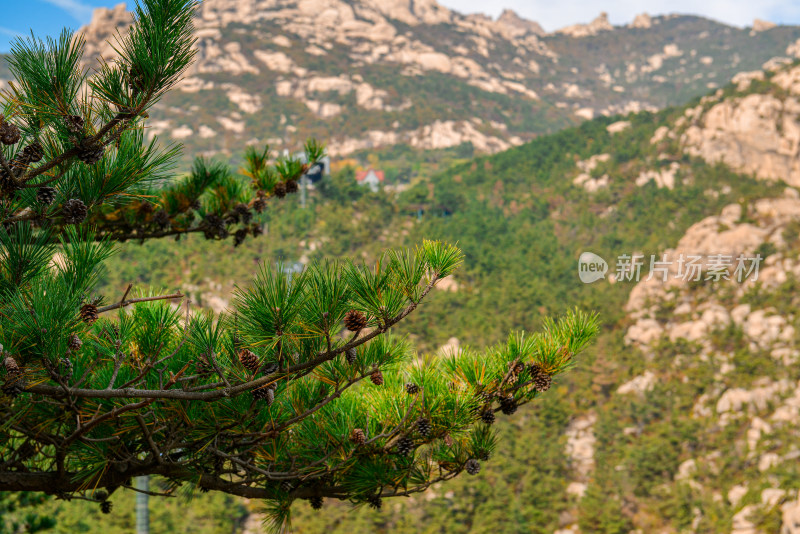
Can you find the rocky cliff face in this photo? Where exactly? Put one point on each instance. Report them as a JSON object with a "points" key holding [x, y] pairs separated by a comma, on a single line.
{"points": [[420, 74], [725, 329], [725, 350], [755, 133]]}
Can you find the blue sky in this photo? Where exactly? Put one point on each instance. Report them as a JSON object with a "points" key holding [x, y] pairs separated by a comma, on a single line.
{"points": [[47, 17]]}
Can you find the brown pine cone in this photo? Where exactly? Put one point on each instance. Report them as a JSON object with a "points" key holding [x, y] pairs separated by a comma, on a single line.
{"points": [[358, 436], [239, 236], [74, 211], [45, 195], [472, 466], [91, 154], [249, 360], [74, 343], [9, 133], [89, 313], [33, 153], [11, 366], [354, 320], [376, 377], [279, 190], [75, 123], [541, 379]]}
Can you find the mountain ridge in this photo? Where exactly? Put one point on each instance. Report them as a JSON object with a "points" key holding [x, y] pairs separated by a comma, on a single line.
{"points": [[367, 74]]}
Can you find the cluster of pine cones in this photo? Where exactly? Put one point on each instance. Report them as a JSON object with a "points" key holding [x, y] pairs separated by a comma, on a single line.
{"points": [[33, 153], [89, 152]]}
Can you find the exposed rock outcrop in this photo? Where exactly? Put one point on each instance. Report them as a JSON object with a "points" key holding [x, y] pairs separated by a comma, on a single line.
{"points": [[755, 134], [439, 134], [518, 25], [600, 24], [103, 28], [642, 20], [762, 25]]}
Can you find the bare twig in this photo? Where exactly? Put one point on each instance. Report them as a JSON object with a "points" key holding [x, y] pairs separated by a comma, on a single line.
{"points": [[125, 303]]}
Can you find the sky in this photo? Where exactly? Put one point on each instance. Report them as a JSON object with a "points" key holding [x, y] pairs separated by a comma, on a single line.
{"points": [[48, 17]]}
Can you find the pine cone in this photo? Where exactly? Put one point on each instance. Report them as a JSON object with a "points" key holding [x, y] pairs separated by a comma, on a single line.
{"points": [[89, 313], [74, 211], [242, 213], [375, 502], [214, 227], [161, 218], [259, 204], [146, 208], [508, 405], [11, 366], [249, 360], [405, 446], [33, 153], [74, 343], [10, 388], [541, 378], [412, 389], [8, 185], [256, 229], [279, 190], [105, 507], [91, 154], [516, 370], [316, 502], [351, 356], [265, 393], [358, 437], [9, 133], [239, 236], [354, 320], [292, 187], [487, 416], [376, 377], [424, 427], [75, 123], [45, 195], [473, 467]]}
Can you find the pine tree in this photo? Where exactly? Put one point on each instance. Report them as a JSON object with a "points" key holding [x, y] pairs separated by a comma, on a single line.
{"points": [[209, 401]]}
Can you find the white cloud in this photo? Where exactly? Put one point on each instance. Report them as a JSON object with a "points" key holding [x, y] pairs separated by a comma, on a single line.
{"points": [[553, 15], [9, 32], [79, 11]]}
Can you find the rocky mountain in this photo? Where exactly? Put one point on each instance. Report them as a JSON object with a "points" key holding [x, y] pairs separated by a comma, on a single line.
{"points": [[364, 74]]}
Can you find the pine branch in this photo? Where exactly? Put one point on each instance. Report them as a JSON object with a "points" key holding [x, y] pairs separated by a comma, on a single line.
{"points": [[125, 303]]}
